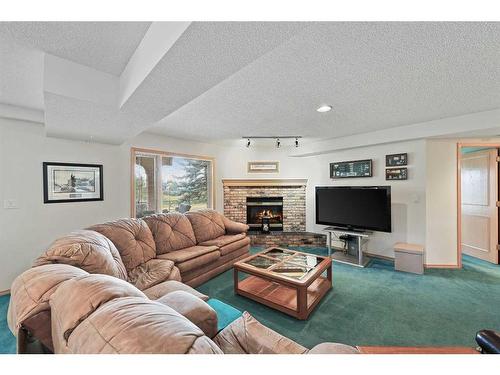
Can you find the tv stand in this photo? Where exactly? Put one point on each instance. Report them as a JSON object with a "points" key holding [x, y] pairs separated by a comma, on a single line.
{"points": [[361, 239]]}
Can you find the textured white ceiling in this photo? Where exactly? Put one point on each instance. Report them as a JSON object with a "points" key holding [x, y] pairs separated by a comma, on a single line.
{"points": [[21, 75], [375, 75], [222, 80], [206, 54], [105, 46]]}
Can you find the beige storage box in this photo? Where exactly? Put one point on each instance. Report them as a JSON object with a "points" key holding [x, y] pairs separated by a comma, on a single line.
{"points": [[409, 257]]}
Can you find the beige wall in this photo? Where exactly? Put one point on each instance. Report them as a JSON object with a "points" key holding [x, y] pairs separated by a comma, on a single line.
{"points": [[422, 206], [441, 206]]}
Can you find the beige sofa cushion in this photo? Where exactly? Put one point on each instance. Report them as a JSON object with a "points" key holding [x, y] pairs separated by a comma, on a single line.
{"points": [[224, 240], [77, 298], [198, 262], [183, 255], [132, 238], [235, 246], [88, 250], [193, 308], [151, 273], [333, 348], [170, 286], [171, 231], [134, 325], [247, 336], [207, 224], [30, 292]]}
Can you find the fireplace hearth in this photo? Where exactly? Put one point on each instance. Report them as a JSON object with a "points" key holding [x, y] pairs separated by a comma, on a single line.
{"points": [[265, 213]]}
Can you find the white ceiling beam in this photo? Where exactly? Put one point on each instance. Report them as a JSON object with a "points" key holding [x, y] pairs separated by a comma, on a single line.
{"points": [[21, 113], [159, 38], [451, 126]]}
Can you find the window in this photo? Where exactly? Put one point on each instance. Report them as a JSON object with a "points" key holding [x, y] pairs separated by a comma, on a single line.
{"points": [[164, 182]]}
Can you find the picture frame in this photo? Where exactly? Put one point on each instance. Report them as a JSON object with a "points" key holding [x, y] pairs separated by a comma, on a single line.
{"points": [[72, 182], [263, 167], [351, 169], [396, 160], [396, 174]]}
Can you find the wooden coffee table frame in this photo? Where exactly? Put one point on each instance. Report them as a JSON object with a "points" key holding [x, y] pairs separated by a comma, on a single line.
{"points": [[294, 297]]}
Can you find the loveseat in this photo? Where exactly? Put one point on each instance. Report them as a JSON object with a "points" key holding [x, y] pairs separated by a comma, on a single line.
{"points": [[149, 253]]}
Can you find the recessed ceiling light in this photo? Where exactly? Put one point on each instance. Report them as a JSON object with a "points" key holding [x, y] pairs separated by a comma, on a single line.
{"points": [[324, 108]]}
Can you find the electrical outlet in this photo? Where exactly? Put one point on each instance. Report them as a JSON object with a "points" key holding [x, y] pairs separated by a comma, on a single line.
{"points": [[10, 204]]}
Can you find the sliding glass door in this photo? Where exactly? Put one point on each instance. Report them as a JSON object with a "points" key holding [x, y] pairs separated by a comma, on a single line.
{"points": [[165, 182]]}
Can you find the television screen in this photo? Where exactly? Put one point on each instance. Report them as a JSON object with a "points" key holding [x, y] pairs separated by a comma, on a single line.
{"points": [[354, 207]]}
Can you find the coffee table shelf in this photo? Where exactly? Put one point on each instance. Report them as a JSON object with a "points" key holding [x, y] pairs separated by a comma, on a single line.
{"points": [[291, 282]]}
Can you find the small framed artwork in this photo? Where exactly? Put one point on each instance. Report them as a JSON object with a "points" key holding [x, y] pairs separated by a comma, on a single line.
{"points": [[263, 167], [69, 182], [351, 169], [396, 160], [396, 174]]}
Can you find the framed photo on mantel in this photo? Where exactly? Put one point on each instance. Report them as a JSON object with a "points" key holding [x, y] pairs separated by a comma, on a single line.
{"points": [[69, 182]]}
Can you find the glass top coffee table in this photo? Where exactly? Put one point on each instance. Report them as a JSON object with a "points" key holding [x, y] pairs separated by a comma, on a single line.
{"points": [[286, 280]]}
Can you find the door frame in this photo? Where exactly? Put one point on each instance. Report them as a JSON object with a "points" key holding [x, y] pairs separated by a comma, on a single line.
{"points": [[460, 145]]}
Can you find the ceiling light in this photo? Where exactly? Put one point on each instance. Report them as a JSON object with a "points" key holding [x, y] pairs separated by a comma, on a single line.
{"points": [[278, 143], [296, 142], [324, 108], [248, 142]]}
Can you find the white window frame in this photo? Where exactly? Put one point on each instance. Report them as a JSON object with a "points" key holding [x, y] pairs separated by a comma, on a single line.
{"points": [[135, 151]]}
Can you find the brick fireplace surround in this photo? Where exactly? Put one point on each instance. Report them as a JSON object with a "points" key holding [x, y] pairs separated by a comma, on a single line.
{"points": [[293, 192]]}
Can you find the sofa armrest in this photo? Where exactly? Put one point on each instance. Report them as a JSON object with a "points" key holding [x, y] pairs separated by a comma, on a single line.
{"points": [[333, 348], [193, 308], [233, 227], [246, 335]]}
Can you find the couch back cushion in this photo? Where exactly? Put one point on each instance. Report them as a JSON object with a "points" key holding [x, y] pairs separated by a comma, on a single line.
{"points": [[207, 224], [30, 292], [132, 238], [88, 250], [171, 231], [135, 325], [79, 297]]}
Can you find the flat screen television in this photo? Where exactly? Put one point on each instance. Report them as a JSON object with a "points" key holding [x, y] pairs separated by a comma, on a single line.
{"points": [[354, 207]]}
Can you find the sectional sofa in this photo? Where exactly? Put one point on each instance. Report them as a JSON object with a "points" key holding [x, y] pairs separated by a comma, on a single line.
{"points": [[116, 288]]}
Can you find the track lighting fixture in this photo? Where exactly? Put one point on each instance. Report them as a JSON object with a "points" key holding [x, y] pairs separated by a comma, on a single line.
{"points": [[277, 138]]}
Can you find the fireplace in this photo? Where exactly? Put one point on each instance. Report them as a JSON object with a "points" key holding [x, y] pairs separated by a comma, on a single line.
{"points": [[265, 210]]}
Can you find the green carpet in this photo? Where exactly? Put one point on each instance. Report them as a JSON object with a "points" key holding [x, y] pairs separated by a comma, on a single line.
{"points": [[7, 339], [379, 306], [371, 306]]}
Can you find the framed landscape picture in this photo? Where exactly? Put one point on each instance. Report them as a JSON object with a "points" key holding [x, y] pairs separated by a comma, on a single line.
{"points": [[69, 182], [263, 167]]}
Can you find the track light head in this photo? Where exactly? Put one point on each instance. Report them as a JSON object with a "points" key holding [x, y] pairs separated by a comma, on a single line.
{"points": [[296, 142], [248, 142], [278, 143]]}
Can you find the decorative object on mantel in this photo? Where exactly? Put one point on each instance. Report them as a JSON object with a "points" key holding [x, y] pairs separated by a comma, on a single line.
{"points": [[351, 169], [275, 137], [396, 174], [263, 167], [396, 160], [70, 182]]}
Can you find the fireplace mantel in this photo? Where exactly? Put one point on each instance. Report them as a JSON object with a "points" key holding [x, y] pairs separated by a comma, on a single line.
{"points": [[264, 182]]}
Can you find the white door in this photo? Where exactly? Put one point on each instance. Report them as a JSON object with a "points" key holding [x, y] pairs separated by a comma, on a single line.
{"points": [[479, 204]]}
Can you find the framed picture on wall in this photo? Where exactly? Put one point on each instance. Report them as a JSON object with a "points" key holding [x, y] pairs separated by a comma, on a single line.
{"points": [[69, 182], [396, 174], [263, 167], [396, 160]]}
